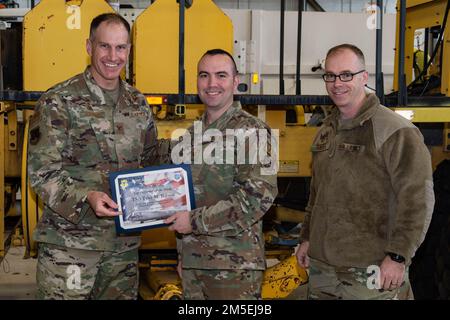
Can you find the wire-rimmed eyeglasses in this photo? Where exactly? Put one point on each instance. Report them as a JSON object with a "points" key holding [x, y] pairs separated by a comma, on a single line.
{"points": [[344, 76]]}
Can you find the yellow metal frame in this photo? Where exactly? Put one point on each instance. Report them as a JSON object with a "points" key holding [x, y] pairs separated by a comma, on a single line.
{"points": [[31, 205], [424, 114], [155, 54], [294, 152], [9, 164], [423, 14]]}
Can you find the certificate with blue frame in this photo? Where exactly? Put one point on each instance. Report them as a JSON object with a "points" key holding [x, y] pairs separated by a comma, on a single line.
{"points": [[148, 196]]}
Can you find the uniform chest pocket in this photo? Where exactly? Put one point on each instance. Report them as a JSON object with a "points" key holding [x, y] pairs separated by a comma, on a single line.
{"points": [[86, 147], [129, 141]]}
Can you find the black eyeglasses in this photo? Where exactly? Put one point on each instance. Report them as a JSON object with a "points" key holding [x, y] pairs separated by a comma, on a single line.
{"points": [[344, 76]]}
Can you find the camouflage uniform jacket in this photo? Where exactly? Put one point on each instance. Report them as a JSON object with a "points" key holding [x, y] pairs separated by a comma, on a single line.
{"points": [[371, 191], [76, 140], [231, 200]]}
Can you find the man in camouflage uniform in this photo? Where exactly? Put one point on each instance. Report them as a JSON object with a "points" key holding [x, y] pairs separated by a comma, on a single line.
{"points": [[222, 247], [371, 195], [83, 129]]}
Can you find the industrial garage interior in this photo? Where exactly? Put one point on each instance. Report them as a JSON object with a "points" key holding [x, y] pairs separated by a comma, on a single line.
{"points": [[280, 48]]}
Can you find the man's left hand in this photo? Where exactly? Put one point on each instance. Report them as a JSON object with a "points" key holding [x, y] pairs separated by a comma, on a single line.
{"points": [[181, 222], [392, 274]]}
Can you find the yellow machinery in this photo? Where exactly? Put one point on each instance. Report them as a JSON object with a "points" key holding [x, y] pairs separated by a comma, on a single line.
{"points": [[294, 157], [10, 140], [421, 14], [31, 205], [160, 282], [54, 50], [283, 278], [155, 38], [426, 14]]}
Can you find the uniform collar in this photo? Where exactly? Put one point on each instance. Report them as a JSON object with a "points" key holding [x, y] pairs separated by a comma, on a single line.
{"points": [[221, 122], [94, 89], [366, 112]]}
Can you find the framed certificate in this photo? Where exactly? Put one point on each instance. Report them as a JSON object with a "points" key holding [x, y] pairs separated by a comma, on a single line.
{"points": [[148, 196]]}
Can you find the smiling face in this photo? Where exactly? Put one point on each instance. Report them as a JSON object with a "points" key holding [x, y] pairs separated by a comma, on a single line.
{"points": [[216, 82], [347, 96], [109, 50]]}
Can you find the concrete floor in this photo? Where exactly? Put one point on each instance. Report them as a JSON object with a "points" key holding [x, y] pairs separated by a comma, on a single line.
{"points": [[17, 275]]}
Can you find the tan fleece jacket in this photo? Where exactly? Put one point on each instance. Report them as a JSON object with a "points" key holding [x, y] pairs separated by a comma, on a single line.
{"points": [[371, 190]]}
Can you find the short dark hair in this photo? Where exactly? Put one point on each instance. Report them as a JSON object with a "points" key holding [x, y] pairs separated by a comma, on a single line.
{"points": [[351, 47], [214, 52], [108, 17]]}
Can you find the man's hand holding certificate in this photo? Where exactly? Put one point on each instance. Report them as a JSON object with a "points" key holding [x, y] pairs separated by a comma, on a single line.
{"points": [[181, 222], [102, 204]]}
